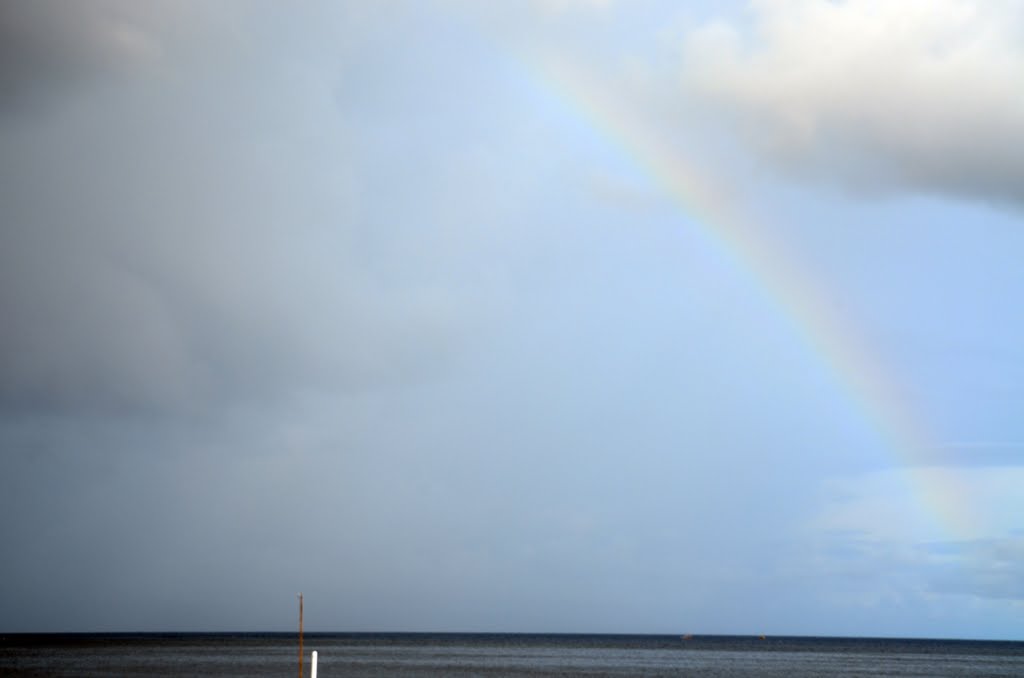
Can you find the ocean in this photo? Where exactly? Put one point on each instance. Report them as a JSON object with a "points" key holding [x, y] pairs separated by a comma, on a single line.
{"points": [[495, 655]]}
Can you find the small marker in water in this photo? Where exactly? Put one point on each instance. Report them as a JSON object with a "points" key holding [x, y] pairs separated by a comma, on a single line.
{"points": [[312, 673]]}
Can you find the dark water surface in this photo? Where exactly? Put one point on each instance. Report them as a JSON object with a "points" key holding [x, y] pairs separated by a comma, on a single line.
{"points": [[418, 654]]}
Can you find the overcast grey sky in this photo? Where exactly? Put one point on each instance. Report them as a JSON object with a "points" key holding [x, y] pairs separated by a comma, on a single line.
{"points": [[372, 301]]}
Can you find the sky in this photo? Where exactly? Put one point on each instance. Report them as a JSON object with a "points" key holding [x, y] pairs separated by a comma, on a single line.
{"points": [[540, 316]]}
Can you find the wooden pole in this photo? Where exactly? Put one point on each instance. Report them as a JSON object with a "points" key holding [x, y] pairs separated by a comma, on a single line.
{"points": [[300, 636]]}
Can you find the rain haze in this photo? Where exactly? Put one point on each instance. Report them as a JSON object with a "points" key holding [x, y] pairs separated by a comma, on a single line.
{"points": [[541, 316]]}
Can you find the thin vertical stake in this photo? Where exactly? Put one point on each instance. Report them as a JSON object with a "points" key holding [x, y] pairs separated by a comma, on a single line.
{"points": [[300, 635], [312, 668]]}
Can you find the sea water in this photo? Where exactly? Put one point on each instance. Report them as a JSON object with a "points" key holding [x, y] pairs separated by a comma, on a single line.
{"points": [[495, 655]]}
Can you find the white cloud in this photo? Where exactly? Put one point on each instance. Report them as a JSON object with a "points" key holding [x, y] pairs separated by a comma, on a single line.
{"points": [[919, 95], [559, 6]]}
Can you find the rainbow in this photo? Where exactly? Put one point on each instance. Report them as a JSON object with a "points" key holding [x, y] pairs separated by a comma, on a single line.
{"points": [[817, 321]]}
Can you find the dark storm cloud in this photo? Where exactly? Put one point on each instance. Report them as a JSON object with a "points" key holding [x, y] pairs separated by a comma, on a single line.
{"points": [[40, 49], [48, 46], [174, 238]]}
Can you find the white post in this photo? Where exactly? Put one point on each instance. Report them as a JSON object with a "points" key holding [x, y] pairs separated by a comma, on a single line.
{"points": [[313, 672]]}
